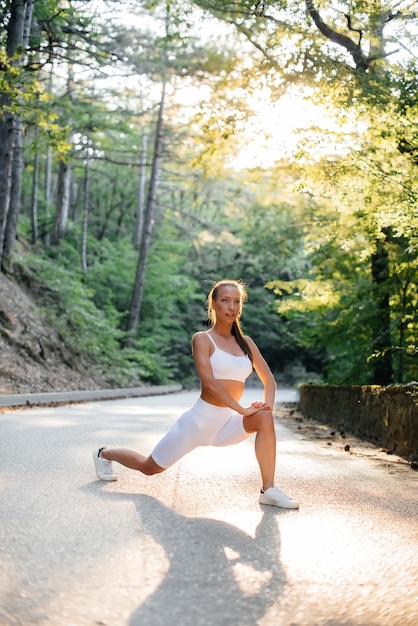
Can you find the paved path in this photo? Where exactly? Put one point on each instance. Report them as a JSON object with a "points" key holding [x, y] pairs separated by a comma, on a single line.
{"points": [[192, 546]]}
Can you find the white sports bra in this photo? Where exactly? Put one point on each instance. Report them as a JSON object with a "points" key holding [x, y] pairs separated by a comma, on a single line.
{"points": [[226, 366]]}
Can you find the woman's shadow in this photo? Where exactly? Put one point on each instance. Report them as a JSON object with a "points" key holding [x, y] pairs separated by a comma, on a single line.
{"points": [[217, 574]]}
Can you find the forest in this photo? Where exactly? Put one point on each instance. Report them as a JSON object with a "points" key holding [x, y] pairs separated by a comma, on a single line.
{"points": [[150, 148]]}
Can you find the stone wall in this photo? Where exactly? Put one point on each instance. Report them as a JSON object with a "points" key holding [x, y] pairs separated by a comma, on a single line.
{"points": [[386, 416]]}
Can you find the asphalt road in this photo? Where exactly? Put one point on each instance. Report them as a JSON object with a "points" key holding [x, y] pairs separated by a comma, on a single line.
{"points": [[192, 546]]}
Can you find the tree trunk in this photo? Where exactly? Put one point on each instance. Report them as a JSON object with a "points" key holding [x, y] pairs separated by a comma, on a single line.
{"points": [[27, 23], [382, 342], [17, 36], [34, 199], [18, 30], [404, 319], [63, 202], [15, 189], [64, 180], [46, 231], [48, 196], [138, 290], [6, 132], [141, 192], [85, 212]]}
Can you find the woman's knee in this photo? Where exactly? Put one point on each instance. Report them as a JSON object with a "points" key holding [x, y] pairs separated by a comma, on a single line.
{"points": [[150, 467], [266, 420], [260, 421]]}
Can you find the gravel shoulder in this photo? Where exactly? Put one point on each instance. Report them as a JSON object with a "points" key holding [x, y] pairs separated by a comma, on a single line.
{"points": [[327, 437]]}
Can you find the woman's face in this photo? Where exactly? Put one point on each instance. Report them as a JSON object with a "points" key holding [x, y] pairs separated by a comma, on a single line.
{"points": [[228, 304]]}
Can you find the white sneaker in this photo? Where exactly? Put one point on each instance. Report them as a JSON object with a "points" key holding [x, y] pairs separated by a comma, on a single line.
{"points": [[104, 469], [275, 497]]}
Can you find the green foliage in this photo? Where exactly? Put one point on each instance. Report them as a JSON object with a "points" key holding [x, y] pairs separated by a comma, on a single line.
{"points": [[309, 230], [335, 319], [365, 201], [172, 305], [90, 331], [111, 273], [70, 303]]}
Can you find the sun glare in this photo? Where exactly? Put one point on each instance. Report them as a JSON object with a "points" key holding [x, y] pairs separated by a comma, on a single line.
{"points": [[274, 132]]}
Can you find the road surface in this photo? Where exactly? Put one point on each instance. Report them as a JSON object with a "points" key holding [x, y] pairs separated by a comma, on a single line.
{"points": [[192, 546]]}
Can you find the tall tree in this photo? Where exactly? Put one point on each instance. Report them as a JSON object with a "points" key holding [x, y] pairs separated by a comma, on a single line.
{"points": [[17, 38], [64, 175], [147, 225], [140, 209]]}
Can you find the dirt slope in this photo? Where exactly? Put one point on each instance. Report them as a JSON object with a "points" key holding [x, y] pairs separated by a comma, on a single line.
{"points": [[33, 358]]}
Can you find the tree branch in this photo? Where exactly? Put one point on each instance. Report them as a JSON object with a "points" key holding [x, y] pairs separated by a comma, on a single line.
{"points": [[360, 60]]}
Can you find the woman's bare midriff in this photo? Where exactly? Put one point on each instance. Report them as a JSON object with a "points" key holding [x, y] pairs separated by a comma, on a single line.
{"points": [[235, 388]]}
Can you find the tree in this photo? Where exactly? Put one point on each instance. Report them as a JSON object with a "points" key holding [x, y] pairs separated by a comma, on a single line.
{"points": [[361, 252], [16, 44], [36, 34], [147, 225], [349, 54]]}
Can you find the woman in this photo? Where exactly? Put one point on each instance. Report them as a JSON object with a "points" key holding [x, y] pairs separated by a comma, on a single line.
{"points": [[224, 358]]}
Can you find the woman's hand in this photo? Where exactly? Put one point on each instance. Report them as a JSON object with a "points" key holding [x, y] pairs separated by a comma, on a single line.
{"points": [[254, 407], [261, 405]]}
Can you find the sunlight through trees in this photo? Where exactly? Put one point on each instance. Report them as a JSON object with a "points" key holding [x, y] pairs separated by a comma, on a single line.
{"points": [[284, 152]]}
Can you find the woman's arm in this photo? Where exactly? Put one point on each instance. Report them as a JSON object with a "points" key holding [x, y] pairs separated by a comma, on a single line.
{"points": [[210, 385], [264, 373]]}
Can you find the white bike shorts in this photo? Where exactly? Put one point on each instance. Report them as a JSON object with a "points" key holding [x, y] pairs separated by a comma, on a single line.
{"points": [[203, 425]]}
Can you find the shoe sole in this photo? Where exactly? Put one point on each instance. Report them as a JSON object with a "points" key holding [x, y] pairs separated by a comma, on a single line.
{"points": [[105, 477], [280, 506]]}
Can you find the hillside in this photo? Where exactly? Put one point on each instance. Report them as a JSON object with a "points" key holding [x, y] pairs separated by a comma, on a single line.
{"points": [[33, 357]]}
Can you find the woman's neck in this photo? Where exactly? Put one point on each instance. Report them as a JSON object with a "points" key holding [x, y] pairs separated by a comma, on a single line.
{"points": [[223, 330]]}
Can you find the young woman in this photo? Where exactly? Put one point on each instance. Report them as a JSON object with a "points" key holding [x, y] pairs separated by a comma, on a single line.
{"points": [[224, 358]]}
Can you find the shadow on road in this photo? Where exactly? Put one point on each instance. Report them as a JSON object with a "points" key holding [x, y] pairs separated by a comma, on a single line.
{"points": [[217, 573]]}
